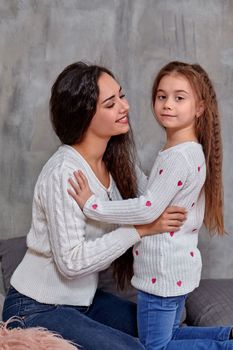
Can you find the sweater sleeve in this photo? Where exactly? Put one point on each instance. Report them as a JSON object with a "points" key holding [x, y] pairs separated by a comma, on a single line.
{"points": [[163, 187], [73, 252], [142, 180]]}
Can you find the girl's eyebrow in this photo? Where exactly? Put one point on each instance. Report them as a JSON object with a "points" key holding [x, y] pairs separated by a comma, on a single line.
{"points": [[176, 91], [109, 98]]}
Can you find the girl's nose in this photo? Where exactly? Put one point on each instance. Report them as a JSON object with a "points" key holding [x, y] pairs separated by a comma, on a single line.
{"points": [[167, 104]]}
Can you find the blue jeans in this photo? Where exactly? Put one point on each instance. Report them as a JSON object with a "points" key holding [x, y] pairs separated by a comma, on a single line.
{"points": [[159, 326], [109, 323]]}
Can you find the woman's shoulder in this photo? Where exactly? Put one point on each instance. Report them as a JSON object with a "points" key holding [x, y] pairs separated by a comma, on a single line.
{"points": [[62, 163]]}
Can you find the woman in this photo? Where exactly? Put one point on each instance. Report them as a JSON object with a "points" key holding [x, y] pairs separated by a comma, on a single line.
{"points": [[55, 286]]}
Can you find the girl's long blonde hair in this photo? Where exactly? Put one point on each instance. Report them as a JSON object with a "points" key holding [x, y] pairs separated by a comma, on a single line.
{"points": [[208, 132]]}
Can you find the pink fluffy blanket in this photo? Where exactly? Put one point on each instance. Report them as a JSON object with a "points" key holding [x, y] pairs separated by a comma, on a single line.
{"points": [[31, 339]]}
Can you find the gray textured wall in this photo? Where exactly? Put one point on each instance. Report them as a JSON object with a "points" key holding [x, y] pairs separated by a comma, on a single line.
{"points": [[38, 38]]}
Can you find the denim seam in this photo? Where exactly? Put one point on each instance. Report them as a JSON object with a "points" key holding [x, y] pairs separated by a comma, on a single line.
{"points": [[149, 311]]}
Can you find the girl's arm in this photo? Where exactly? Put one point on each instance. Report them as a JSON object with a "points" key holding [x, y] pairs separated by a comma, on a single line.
{"points": [[142, 180], [83, 191], [166, 183]]}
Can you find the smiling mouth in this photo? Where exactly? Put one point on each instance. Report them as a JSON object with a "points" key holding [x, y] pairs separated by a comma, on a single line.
{"points": [[167, 116], [124, 118]]}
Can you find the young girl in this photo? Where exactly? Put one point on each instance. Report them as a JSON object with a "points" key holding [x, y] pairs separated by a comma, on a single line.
{"points": [[187, 172]]}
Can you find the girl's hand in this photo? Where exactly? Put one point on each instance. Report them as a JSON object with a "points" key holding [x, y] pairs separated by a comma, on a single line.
{"points": [[81, 188], [169, 221]]}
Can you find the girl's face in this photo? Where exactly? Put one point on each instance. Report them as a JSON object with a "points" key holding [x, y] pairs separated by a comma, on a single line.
{"points": [[111, 117], [176, 105]]}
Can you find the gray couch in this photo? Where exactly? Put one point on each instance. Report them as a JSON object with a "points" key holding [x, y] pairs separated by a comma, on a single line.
{"points": [[209, 305]]}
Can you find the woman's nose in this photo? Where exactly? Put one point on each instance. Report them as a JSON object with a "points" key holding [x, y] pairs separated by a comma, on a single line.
{"points": [[124, 105]]}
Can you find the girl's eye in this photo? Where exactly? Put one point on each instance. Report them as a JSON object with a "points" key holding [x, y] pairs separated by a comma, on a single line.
{"points": [[161, 97], [179, 98], [122, 96]]}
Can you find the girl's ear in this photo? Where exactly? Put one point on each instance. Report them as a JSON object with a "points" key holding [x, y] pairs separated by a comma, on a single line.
{"points": [[200, 109]]}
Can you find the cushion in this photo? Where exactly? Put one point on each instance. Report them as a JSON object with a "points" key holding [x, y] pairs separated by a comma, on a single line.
{"points": [[2, 289], [11, 253], [108, 284], [1, 305], [211, 304]]}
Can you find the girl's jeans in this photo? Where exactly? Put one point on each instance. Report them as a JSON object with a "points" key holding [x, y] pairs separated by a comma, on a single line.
{"points": [[159, 326]]}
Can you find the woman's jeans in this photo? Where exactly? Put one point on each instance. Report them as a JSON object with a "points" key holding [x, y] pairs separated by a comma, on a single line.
{"points": [[108, 324], [159, 326]]}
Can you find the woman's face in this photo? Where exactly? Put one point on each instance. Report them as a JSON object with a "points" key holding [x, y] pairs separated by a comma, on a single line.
{"points": [[111, 117]]}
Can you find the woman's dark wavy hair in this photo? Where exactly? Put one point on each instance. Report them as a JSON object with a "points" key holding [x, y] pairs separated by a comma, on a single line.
{"points": [[73, 102]]}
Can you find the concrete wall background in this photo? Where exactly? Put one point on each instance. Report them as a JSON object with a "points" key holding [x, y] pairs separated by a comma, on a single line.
{"points": [[134, 38]]}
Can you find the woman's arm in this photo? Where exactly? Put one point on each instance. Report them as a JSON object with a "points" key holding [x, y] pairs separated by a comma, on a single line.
{"points": [[145, 209], [169, 221], [75, 254]]}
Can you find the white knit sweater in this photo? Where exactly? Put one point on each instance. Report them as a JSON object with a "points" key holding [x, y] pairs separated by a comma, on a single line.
{"points": [[168, 264], [67, 250]]}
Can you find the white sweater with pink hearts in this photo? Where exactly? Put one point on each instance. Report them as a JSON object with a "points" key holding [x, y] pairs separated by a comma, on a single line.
{"points": [[167, 264]]}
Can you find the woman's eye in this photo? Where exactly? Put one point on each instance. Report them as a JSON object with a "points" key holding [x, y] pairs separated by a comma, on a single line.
{"points": [[110, 106], [122, 96]]}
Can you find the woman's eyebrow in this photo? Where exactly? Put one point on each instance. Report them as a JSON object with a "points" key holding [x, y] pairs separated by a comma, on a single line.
{"points": [[109, 98]]}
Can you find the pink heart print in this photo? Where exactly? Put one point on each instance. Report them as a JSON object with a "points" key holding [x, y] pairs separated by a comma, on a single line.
{"points": [[192, 254], [171, 233], [153, 280], [160, 171], [136, 252], [148, 203], [199, 168], [179, 283], [193, 205], [180, 183], [94, 206]]}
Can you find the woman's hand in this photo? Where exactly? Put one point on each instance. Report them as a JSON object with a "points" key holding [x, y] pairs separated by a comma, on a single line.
{"points": [[169, 221], [80, 188]]}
